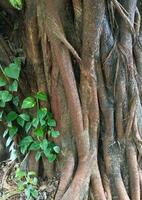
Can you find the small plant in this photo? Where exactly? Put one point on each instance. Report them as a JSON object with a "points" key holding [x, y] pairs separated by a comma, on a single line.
{"points": [[27, 183], [34, 130]]}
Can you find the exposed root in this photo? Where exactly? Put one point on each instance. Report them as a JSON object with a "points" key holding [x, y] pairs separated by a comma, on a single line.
{"points": [[120, 187], [66, 177], [131, 118], [137, 139], [80, 184], [96, 184], [133, 172], [106, 185]]}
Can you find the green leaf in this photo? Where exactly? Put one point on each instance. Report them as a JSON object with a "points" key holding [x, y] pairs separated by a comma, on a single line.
{"points": [[21, 187], [5, 96], [16, 100], [28, 126], [12, 131], [29, 102], [13, 71], [20, 121], [42, 113], [31, 173], [25, 143], [35, 181], [44, 144], [18, 4], [1, 114], [9, 124], [18, 61], [47, 152], [57, 149], [39, 132], [35, 122], [2, 104], [35, 146], [5, 132], [11, 116], [25, 117], [38, 155], [51, 157], [2, 82], [9, 140], [41, 96], [54, 133], [23, 149], [11, 147], [20, 173], [13, 155], [49, 115], [51, 122], [42, 122], [14, 86], [28, 193], [34, 193]]}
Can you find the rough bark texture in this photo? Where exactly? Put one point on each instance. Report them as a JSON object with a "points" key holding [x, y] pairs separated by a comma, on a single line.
{"points": [[87, 55]]}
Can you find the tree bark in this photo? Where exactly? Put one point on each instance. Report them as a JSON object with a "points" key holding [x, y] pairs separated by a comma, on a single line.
{"points": [[87, 55]]}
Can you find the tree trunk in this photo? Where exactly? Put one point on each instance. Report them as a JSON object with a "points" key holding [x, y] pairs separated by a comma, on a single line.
{"points": [[87, 55]]}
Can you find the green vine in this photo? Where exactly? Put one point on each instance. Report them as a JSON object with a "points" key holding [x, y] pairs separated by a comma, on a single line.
{"points": [[36, 128]]}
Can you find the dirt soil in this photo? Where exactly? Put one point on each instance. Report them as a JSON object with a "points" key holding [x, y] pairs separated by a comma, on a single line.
{"points": [[8, 189]]}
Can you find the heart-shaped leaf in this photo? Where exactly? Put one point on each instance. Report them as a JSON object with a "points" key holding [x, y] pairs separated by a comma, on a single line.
{"points": [[41, 96], [25, 117], [5, 96], [57, 149], [25, 143], [39, 132], [11, 116], [14, 86], [29, 102], [38, 155], [51, 122], [54, 133], [13, 71], [2, 82], [12, 131], [20, 121]]}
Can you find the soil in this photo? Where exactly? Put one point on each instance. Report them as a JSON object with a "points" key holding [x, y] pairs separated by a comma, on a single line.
{"points": [[8, 188]]}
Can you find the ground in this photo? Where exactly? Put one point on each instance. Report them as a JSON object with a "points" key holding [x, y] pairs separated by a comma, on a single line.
{"points": [[8, 189]]}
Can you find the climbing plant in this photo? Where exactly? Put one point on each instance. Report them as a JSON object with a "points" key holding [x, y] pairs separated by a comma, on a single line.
{"points": [[32, 129]]}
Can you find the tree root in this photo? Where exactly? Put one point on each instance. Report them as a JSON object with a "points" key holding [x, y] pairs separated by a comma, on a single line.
{"points": [[66, 177], [133, 172]]}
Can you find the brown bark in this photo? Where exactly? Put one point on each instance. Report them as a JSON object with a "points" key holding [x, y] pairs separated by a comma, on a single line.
{"points": [[87, 56]]}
